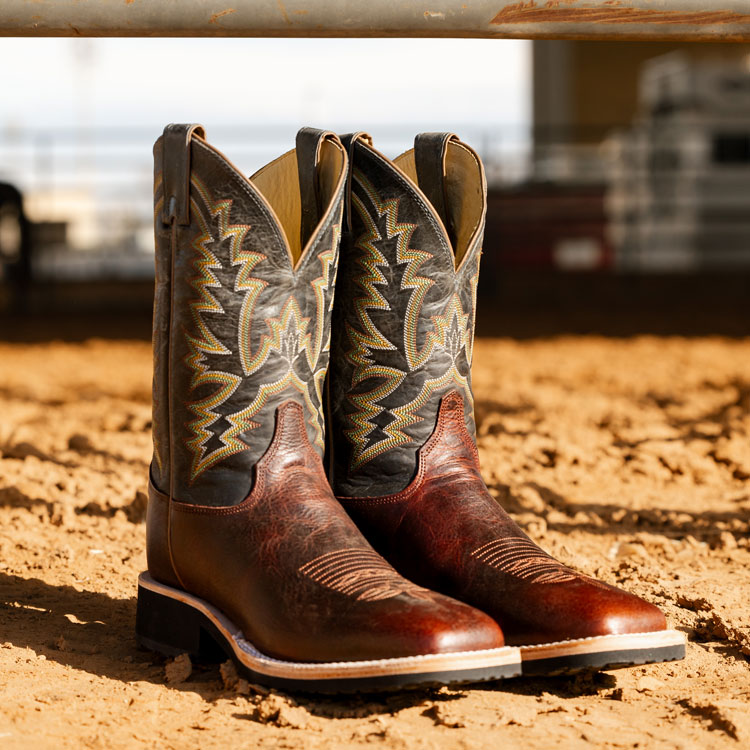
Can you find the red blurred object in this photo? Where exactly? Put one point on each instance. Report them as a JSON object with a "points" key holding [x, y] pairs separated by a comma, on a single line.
{"points": [[546, 226]]}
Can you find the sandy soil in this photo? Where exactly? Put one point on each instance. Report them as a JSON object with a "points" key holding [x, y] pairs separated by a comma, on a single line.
{"points": [[629, 459]]}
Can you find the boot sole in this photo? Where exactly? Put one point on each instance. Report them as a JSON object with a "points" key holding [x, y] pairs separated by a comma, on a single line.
{"points": [[603, 652], [173, 622]]}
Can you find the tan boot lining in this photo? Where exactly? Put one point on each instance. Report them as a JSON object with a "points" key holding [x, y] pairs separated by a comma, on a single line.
{"points": [[464, 192], [278, 182]]}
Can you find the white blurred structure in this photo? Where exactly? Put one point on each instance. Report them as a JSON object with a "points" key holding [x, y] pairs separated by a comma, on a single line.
{"points": [[679, 195], [75, 208]]}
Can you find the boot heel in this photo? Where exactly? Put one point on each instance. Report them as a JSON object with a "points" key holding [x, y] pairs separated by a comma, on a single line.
{"points": [[172, 627]]}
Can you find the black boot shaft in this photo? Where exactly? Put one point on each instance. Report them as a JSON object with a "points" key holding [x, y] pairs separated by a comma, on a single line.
{"points": [[245, 272], [403, 326]]}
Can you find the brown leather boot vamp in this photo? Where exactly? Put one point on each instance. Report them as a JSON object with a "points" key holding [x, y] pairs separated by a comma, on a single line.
{"points": [[445, 531]]}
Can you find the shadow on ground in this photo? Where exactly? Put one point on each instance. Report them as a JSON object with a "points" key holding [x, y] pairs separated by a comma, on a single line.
{"points": [[94, 632]]}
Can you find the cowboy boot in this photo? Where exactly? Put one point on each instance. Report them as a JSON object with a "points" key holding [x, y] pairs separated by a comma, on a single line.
{"points": [[249, 554], [403, 459]]}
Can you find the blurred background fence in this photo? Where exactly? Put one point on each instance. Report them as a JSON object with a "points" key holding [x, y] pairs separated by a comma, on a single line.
{"points": [[87, 193], [661, 191]]}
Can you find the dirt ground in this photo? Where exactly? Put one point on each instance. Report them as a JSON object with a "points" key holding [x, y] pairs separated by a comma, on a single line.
{"points": [[627, 458]]}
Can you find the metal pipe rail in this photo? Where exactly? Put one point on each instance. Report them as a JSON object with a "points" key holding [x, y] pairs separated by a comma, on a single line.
{"points": [[689, 20]]}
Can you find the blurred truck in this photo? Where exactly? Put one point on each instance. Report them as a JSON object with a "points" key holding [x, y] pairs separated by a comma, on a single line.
{"points": [[679, 178]]}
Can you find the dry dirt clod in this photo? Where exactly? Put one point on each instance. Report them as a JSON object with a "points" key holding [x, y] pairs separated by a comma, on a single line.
{"points": [[445, 716], [630, 551], [697, 604], [179, 669], [711, 713], [716, 627], [61, 644], [136, 509], [229, 676], [233, 682], [61, 514], [80, 443], [24, 450], [725, 541], [281, 712], [243, 687]]}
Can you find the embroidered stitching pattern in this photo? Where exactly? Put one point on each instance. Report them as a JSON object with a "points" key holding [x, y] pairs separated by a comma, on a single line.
{"points": [[450, 331], [206, 343], [363, 344], [288, 336], [361, 574], [521, 558]]}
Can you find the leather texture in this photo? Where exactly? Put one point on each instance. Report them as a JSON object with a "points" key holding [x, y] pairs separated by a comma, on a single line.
{"points": [[430, 150], [291, 569], [308, 155], [446, 532], [403, 324], [240, 511], [405, 464], [238, 325]]}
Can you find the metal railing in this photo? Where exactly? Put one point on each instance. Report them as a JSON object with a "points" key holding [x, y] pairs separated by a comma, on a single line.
{"points": [[665, 193], [727, 20], [88, 192]]}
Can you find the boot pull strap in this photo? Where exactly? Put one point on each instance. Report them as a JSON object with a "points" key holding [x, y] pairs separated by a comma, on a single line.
{"points": [[176, 171], [309, 142], [349, 140], [429, 156]]}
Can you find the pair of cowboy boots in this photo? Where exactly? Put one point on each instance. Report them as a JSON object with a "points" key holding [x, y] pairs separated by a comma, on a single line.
{"points": [[411, 574]]}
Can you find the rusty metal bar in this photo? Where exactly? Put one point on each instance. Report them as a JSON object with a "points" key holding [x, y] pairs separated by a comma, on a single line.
{"points": [[697, 20]]}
